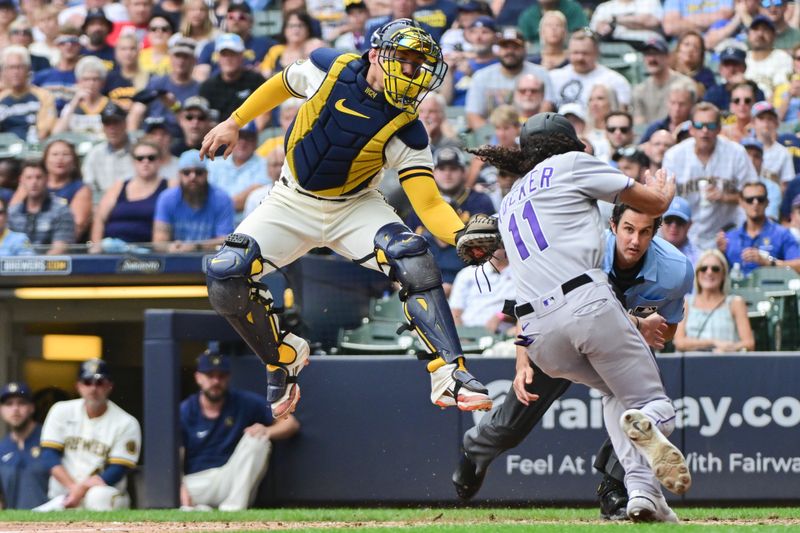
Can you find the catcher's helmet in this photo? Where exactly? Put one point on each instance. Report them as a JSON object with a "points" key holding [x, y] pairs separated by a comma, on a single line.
{"points": [[394, 40], [546, 123]]}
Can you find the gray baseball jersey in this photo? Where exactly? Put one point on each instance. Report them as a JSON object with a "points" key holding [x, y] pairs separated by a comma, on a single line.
{"points": [[550, 225], [550, 222]]}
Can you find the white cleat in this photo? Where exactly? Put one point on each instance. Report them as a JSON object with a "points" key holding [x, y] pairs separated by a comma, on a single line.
{"points": [[666, 460], [452, 385], [283, 394], [644, 507]]}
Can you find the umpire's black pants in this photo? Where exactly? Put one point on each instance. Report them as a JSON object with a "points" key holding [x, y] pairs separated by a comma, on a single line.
{"points": [[505, 427]]}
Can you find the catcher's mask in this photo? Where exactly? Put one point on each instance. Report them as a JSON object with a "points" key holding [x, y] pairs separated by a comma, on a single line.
{"points": [[403, 42]]}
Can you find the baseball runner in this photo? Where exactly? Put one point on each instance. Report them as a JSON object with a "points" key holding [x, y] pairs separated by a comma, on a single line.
{"points": [[650, 278], [91, 445], [573, 326], [360, 116]]}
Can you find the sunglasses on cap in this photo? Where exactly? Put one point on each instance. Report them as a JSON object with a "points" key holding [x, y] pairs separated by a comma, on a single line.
{"points": [[710, 126], [716, 269], [761, 199], [771, 3]]}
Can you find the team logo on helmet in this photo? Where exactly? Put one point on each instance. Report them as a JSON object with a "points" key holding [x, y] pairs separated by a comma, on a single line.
{"points": [[411, 61]]}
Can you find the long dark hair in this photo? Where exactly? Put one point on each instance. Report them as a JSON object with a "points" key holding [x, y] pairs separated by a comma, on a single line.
{"points": [[535, 149]]}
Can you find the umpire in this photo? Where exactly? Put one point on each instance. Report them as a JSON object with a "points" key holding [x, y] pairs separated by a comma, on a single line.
{"points": [[650, 277]]}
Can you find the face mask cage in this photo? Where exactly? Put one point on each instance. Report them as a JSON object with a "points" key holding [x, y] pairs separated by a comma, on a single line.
{"points": [[410, 46]]}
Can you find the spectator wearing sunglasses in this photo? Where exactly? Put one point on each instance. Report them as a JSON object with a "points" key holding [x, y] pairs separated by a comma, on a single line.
{"points": [[194, 215], [619, 130], [778, 165], [755, 151], [713, 320], [127, 208], [739, 122], [90, 444], [709, 171], [786, 37], [759, 241], [155, 58], [21, 33]]}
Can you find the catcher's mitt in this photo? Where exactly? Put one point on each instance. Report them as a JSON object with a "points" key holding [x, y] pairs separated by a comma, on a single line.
{"points": [[478, 240]]}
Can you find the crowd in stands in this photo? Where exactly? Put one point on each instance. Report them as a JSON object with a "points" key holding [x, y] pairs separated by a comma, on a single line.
{"points": [[709, 90]]}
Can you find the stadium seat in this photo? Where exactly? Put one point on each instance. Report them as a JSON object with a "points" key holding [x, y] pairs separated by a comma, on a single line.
{"points": [[778, 278], [267, 22], [761, 314], [387, 309], [11, 145], [623, 58], [82, 143]]}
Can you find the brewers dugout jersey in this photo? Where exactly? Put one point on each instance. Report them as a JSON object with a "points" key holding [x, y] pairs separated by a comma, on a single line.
{"points": [[550, 223], [23, 474], [89, 445], [210, 442], [346, 133]]}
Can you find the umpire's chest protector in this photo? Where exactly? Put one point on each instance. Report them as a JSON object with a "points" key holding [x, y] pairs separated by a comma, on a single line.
{"points": [[335, 145]]}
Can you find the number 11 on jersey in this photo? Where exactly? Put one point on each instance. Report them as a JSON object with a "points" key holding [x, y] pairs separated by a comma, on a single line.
{"points": [[536, 229]]}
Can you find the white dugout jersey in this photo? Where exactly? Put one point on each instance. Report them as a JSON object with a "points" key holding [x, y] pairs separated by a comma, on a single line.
{"points": [[550, 222], [89, 445]]}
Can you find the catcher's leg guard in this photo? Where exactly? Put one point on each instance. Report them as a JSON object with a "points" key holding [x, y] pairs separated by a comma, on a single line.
{"points": [[236, 294], [410, 263]]}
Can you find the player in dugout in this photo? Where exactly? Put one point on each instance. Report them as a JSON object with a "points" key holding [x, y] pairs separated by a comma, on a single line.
{"points": [[360, 116]]}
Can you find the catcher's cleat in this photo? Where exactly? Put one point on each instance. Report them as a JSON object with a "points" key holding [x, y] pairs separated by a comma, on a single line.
{"points": [[666, 461], [283, 392], [451, 385], [643, 507], [467, 477], [613, 499]]}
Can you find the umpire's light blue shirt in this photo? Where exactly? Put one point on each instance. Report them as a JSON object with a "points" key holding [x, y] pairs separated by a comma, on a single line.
{"points": [[666, 277], [774, 239]]}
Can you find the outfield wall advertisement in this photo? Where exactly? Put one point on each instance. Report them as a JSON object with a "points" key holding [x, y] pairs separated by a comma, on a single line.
{"points": [[369, 433]]}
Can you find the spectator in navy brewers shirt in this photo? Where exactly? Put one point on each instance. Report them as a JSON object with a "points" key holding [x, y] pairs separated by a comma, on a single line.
{"points": [[227, 437], [23, 474], [194, 215]]}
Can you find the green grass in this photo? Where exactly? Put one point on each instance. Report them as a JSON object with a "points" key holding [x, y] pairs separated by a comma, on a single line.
{"points": [[456, 520]]}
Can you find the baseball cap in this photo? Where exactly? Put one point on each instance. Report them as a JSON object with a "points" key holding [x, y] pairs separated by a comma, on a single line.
{"points": [[179, 44], [546, 124], [759, 108], [153, 123], [573, 108], [242, 7], [511, 35], [349, 5], [212, 360], [15, 388], [733, 53], [229, 41], [762, 19], [197, 102], [679, 208], [655, 43], [449, 156], [8, 4], [484, 22], [95, 14], [190, 159], [112, 113], [752, 142], [93, 369], [469, 5], [249, 130]]}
